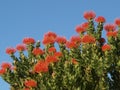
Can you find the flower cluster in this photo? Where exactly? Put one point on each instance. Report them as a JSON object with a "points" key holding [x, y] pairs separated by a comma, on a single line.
{"points": [[81, 63]]}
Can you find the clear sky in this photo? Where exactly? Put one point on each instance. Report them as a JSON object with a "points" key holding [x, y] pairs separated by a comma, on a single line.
{"points": [[33, 18]]}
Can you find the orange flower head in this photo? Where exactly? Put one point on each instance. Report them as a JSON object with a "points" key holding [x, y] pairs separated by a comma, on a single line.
{"points": [[51, 59], [117, 21], [30, 83], [71, 45], [85, 25], [112, 34], [61, 40], [106, 47], [2, 71], [52, 49], [80, 29], [76, 39], [88, 39], [100, 19], [21, 47], [50, 34], [10, 50], [37, 51], [58, 54], [28, 40], [41, 66], [89, 15], [6, 65], [110, 27]]}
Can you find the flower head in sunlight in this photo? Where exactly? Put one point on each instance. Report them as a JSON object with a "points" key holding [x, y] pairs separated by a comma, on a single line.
{"points": [[89, 15], [117, 21], [2, 71], [52, 49], [30, 83], [112, 34], [85, 25], [106, 47], [6, 65], [41, 66], [10, 50], [37, 51], [88, 39], [100, 19], [61, 40], [110, 27], [71, 45], [21, 47], [28, 40], [76, 39], [80, 29]]}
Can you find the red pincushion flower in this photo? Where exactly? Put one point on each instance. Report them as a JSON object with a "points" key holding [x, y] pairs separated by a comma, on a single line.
{"points": [[70, 44], [74, 61], [110, 27], [52, 49], [2, 71], [106, 47], [117, 21], [112, 34], [50, 34], [41, 66], [76, 39], [37, 51], [21, 47], [85, 25], [28, 40], [58, 54], [30, 83], [88, 39], [61, 40], [80, 29], [48, 40], [51, 59], [10, 50], [100, 19], [89, 15], [6, 65]]}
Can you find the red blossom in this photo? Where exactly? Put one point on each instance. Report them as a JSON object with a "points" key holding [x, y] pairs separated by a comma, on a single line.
{"points": [[61, 40], [117, 21], [10, 50], [30, 83], [106, 47], [21, 47], [6, 65], [88, 39], [70, 44], [76, 39], [51, 59], [100, 19], [50, 34], [2, 71], [89, 15], [112, 34], [37, 51], [110, 27], [58, 54], [41, 66], [80, 29], [52, 49], [85, 25], [48, 40], [28, 40]]}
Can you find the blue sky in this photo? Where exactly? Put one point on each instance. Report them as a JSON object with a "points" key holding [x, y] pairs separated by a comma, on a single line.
{"points": [[33, 18]]}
